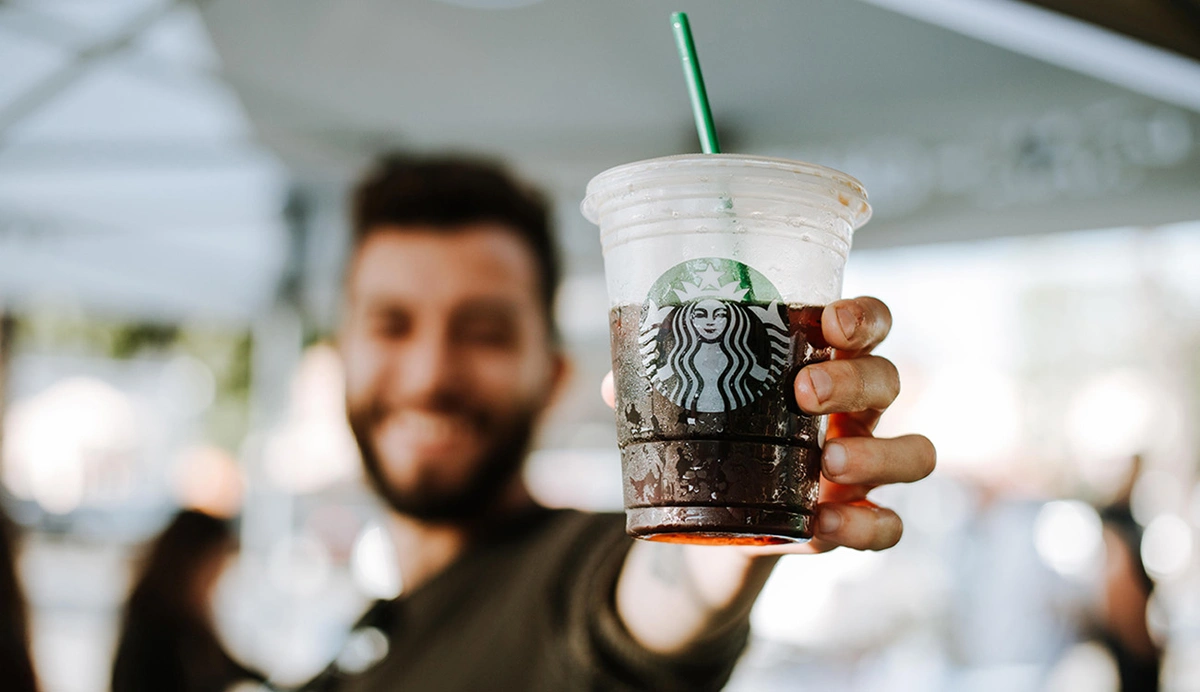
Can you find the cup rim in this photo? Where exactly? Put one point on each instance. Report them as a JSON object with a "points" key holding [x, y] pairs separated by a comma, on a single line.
{"points": [[844, 183]]}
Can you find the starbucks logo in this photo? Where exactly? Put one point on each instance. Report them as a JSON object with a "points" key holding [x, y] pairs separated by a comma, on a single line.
{"points": [[713, 335]]}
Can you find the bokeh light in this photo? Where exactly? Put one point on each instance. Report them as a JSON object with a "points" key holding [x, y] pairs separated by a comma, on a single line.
{"points": [[57, 440], [1167, 547], [314, 447], [209, 479], [1069, 538], [972, 415], [796, 604], [1109, 420], [373, 563], [364, 648], [1087, 667]]}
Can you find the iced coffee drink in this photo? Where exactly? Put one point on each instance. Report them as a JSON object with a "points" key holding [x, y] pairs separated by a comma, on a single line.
{"points": [[718, 268]]}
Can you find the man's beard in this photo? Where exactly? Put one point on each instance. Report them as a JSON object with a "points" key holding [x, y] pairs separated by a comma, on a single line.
{"points": [[507, 442]]}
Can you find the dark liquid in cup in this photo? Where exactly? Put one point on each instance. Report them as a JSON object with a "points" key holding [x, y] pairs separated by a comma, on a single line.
{"points": [[713, 447]]}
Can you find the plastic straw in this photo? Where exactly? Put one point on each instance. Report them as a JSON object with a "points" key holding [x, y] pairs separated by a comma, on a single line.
{"points": [[695, 82]]}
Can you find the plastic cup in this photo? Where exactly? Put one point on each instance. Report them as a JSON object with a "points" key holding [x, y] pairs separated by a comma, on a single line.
{"points": [[718, 267]]}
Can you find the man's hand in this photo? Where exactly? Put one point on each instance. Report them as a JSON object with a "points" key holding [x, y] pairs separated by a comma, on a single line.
{"points": [[854, 389], [720, 584]]}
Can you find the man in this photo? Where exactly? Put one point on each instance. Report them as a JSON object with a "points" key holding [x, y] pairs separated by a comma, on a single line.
{"points": [[451, 356]]}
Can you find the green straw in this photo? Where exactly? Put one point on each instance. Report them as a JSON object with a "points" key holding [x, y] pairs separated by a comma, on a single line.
{"points": [[695, 81]]}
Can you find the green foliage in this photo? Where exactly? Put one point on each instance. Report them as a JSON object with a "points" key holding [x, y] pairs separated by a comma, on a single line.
{"points": [[226, 350]]}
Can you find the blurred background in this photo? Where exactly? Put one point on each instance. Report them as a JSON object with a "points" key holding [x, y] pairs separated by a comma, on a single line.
{"points": [[172, 230]]}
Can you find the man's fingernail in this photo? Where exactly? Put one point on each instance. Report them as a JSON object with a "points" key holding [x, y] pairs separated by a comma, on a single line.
{"points": [[835, 460], [829, 521], [822, 383], [848, 321]]}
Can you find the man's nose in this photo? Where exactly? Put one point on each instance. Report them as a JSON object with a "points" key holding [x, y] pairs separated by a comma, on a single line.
{"points": [[427, 370]]}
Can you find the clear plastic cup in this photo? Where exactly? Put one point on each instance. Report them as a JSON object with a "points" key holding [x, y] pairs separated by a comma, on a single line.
{"points": [[717, 268]]}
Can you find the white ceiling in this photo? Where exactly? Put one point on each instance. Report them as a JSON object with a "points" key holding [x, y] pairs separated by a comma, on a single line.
{"points": [[563, 79], [566, 88]]}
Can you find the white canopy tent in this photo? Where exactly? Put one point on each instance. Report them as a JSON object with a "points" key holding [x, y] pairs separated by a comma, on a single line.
{"points": [[147, 146]]}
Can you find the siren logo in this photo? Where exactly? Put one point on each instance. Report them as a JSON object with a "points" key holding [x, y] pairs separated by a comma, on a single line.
{"points": [[713, 336]]}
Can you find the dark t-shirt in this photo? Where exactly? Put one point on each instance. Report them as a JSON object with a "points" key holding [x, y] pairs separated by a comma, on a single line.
{"points": [[530, 607]]}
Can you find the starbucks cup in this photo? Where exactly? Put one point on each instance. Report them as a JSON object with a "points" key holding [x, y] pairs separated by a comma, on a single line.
{"points": [[718, 267]]}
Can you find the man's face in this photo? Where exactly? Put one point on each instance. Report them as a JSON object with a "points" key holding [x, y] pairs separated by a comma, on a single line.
{"points": [[448, 363]]}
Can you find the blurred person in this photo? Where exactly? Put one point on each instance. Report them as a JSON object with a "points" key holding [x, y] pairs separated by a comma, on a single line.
{"points": [[451, 358], [1011, 617], [1028, 592], [167, 640], [1121, 623], [16, 665]]}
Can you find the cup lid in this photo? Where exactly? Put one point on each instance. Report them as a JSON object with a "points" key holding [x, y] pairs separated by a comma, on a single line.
{"points": [[846, 195]]}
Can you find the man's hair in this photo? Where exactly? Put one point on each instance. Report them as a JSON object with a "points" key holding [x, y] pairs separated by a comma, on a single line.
{"points": [[447, 192]]}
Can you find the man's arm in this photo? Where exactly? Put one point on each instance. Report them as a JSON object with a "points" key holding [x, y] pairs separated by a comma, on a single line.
{"points": [[673, 597]]}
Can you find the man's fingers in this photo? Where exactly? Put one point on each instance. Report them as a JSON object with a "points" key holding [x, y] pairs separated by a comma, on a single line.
{"points": [[608, 390], [857, 424], [856, 325], [862, 526], [870, 461], [847, 386]]}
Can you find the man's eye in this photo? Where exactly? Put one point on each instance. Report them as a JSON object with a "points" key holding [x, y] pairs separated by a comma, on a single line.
{"points": [[392, 325]]}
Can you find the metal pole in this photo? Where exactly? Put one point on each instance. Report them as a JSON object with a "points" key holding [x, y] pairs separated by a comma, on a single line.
{"points": [[8, 325]]}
